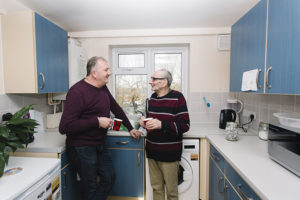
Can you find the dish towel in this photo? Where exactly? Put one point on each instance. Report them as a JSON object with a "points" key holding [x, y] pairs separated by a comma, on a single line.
{"points": [[249, 80]]}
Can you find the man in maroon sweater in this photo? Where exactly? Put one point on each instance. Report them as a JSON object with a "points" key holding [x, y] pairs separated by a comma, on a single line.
{"points": [[85, 121], [170, 119]]}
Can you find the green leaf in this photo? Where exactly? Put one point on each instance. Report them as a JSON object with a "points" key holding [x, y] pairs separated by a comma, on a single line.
{"points": [[2, 165], [4, 132], [10, 138], [24, 122], [15, 145], [2, 146], [23, 137], [22, 112]]}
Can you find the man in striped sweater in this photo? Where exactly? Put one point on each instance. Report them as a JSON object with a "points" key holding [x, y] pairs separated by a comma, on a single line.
{"points": [[170, 119]]}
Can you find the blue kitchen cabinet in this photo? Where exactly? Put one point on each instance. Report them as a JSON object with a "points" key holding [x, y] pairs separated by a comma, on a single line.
{"points": [[229, 193], [283, 47], [128, 160], [35, 54], [248, 43], [268, 38], [225, 182], [216, 181], [68, 184], [239, 184], [216, 175], [70, 187], [51, 56]]}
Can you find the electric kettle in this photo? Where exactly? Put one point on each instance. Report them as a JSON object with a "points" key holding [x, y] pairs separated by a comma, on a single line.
{"points": [[226, 115]]}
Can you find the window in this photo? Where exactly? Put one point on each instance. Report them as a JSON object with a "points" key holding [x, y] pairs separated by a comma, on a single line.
{"points": [[133, 67]]}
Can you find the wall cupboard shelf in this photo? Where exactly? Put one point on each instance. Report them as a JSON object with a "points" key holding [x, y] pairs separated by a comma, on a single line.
{"points": [[35, 54]]}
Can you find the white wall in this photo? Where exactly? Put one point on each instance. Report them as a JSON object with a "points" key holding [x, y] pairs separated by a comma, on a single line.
{"points": [[209, 69], [1, 63]]}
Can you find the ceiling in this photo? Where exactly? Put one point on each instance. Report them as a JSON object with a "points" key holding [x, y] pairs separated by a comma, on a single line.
{"points": [[89, 15]]}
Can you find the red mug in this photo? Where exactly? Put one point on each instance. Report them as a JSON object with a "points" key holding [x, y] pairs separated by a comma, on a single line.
{"points": [[146, 120], [117, 124]]}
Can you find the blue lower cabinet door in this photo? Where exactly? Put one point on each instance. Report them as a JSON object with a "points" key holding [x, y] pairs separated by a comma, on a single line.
{"points": [[128, 166], [230, 193], [242, 188], [216, 182], [70, 189]]}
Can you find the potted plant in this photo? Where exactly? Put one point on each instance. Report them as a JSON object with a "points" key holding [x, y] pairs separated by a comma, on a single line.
{"points": [[13, 134]]}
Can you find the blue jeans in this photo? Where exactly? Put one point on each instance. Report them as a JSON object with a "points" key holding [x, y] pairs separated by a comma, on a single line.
{"points": [[90, 162]]}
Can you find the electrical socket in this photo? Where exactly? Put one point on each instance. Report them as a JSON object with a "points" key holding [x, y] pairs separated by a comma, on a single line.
{"points": [[247, 113]]}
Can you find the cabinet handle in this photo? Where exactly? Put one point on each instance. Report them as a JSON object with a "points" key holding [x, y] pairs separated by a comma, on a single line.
{"points": [[258, 86], [267, 78], [240, 191], [219, 182], [66, 181], [43, 80], [226, 187], [215, 157], [139, 158], [126, 142]]}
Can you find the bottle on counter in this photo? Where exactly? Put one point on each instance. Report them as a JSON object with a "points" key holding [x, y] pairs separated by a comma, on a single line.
{"points": [[263, 130]]}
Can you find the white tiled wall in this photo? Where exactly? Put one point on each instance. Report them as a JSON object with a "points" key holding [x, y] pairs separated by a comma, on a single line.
{"points": [[264, 105], [200, 113], [13, 102]]}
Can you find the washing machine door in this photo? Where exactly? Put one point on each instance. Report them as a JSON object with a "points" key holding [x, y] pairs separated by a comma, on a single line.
{"points": [[185, 175]]}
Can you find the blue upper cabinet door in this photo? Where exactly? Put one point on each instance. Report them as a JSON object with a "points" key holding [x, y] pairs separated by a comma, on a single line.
{"points": [[51, 56], [284, 47], [248, 45]]}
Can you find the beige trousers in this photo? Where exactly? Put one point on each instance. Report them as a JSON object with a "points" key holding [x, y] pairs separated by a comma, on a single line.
{"points": [[164, 175]]}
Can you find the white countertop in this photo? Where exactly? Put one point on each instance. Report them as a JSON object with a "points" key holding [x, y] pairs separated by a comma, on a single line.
{"points": [[196, 131], [249, 157]]}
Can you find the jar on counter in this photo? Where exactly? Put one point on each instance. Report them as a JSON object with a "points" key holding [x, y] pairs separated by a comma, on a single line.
{"points": [[263, 130], [231, 131]]}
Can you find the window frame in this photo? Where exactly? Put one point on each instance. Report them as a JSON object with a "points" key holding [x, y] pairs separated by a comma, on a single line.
{"points": [[149, 68]]}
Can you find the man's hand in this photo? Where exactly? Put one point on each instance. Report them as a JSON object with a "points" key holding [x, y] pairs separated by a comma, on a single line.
{"points": [[135, 134], [153, 124], [141, 121], [105, 122]]}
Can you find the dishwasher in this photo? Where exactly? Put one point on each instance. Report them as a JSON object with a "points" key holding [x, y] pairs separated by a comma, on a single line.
{"points": [[31, 179]]}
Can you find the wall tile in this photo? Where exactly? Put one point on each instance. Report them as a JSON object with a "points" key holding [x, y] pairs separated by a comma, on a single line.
{"points": [[14, 102], [297, 104], [273, 101], [4, 103], [287, 103]]}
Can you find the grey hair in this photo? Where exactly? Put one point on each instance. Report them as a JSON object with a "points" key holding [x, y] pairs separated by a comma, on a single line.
{"points": [[167, 74], [92, 63]]}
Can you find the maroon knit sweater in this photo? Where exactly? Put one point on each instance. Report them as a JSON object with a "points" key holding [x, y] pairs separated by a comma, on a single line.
{"points": [[84, 104], [165, 144]]}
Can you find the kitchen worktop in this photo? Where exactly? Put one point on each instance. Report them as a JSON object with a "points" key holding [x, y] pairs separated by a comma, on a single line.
{"points": [[196, 131], [249, 157]]}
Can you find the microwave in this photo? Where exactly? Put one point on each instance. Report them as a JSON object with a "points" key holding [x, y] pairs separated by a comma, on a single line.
{"points": [[284, 147]]}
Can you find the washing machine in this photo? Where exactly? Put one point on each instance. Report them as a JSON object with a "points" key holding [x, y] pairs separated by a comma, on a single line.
{"points": [[188, 176]]}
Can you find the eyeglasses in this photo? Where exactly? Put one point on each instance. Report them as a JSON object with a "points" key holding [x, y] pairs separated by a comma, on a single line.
{"points": [[154, 78]]}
